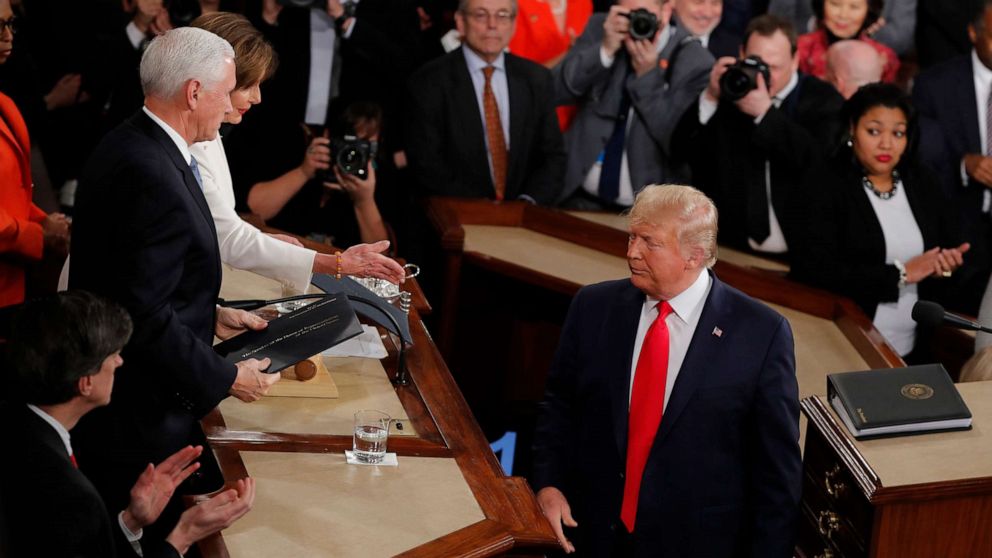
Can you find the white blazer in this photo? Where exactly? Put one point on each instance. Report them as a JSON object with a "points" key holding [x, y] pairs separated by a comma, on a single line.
{"points": [[242, 245]]}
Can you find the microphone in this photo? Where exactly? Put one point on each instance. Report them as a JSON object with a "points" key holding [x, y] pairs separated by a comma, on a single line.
{"points": [[931, 314]]}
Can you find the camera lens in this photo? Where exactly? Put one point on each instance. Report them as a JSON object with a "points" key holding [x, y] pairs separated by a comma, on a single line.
{"points": [[350, 160], [736, 83], [640, 28]]}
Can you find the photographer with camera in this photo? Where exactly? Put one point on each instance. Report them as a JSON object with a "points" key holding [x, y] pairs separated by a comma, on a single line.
{"points": [[754, 130], [632, 76], [331, 194]]}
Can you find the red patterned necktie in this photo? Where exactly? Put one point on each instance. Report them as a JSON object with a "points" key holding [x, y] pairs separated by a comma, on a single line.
{"points": [[647, 400], [72, 457], [494, 133]]}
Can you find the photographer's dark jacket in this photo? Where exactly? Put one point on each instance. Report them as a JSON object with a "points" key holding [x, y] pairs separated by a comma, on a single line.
{"points": [[727, 155]]}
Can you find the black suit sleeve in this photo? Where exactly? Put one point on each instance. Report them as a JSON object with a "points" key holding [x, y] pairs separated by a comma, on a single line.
{"points": [[150, 232], [553, 438], [425, 143], [774, 461], [545, 180]]}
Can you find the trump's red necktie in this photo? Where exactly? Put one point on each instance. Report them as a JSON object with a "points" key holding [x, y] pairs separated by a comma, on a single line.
{"points": [[647, 400]]}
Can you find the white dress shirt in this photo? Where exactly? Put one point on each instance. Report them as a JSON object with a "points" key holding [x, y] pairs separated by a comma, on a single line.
{"points": [[687, 306], [323, 37], [625, 196], [242, 245], [173, 135], [982, 77], [500, 89], [903, 242]]}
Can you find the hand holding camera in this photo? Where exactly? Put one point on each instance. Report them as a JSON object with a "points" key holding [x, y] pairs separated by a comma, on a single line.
{"points": [[317, 157], [360, 189], [637, 31], [744, 82]]}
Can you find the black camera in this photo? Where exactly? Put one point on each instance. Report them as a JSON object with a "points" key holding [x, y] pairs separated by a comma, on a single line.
{"points": [[741, 78], [352, 155], [643, 24]]}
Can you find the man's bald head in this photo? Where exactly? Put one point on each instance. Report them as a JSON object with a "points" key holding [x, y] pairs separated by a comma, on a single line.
{"points": [[851, 64]]}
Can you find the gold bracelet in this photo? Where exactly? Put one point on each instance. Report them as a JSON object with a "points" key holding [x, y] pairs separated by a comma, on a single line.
{"points": [[337, 273]]}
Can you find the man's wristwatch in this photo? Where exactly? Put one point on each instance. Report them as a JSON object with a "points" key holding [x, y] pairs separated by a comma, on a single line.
{"points": [[903, 277]]}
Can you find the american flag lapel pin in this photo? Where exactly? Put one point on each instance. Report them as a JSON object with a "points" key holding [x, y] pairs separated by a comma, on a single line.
{"points": [[717, 332]]}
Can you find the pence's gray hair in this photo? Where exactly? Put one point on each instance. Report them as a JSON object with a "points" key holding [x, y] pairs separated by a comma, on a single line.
{"points": [[696, 214], [180, 55]]}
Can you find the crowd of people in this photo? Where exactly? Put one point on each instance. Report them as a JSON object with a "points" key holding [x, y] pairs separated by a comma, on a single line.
{"points": [[851, 139]]}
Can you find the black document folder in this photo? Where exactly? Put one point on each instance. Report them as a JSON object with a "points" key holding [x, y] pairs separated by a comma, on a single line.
{"points": [[368, 304], [296, 336], [897, 402]]}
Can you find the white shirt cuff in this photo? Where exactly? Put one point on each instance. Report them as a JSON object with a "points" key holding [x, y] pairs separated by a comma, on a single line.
{"points": [[351, 29], [605, 59], [964, 174], [707, 108], [133, 538], [134, 35]]}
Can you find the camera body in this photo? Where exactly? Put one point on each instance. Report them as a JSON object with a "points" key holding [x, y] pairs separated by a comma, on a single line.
{"points": [[643, 24], [352, 155], [742, 77]]}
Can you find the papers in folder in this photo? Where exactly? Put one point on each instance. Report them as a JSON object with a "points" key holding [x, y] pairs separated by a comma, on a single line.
{"points": [[366, 345]]}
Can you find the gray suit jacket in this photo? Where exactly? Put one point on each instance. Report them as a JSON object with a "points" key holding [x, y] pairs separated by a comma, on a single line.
{"points": [[658, 98]]}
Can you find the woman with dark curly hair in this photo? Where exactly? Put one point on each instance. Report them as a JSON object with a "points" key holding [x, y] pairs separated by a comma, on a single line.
{"points": [[879, 229]]}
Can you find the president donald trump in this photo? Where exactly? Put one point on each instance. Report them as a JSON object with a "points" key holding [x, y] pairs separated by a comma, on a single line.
{"points": [[670, 423]]}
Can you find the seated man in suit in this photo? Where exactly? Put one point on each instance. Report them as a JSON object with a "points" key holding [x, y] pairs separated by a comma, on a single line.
{"points": [[670, 423], [143, 237], [61, 356], [749, 154], [631, 92], [953, 99], [851, 64], [482, 122]]}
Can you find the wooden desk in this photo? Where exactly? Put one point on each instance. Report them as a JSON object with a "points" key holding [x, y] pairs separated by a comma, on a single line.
{"points": [[912, 497], [560, 253], [448, 497]]}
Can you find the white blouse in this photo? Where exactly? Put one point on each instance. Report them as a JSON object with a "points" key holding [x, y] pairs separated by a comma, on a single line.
{"points": [[242, 245], [903, 242]]}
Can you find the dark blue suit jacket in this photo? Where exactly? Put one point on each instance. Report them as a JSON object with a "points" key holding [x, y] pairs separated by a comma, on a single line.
{"points": [[724, 474], [447, 136], [945, 98], [944, 95], [143, 237], [51, 508]]}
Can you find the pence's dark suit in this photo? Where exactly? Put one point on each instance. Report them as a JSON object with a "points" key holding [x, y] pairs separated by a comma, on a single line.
{"points": [[143, 237]]}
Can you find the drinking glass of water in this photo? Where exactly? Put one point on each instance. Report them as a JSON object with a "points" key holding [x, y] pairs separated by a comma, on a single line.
{"points": [[371, 433]]}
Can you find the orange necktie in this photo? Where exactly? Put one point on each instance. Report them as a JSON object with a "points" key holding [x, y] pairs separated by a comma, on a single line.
{"points": [[647, 401], [494, 133]]}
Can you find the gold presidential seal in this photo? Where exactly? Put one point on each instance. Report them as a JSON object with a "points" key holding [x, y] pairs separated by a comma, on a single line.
{"points": [[917, 391]]}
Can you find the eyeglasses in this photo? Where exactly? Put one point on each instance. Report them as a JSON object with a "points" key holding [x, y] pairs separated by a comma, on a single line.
{"points": [[482, 17], [8, 25]]}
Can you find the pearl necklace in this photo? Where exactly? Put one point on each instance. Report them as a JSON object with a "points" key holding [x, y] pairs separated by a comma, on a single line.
{"points": [[866, 182]]}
